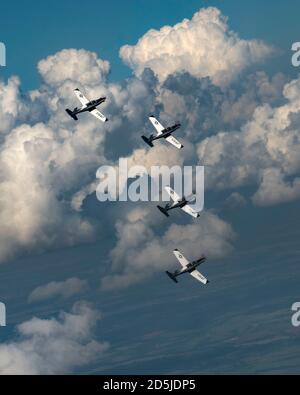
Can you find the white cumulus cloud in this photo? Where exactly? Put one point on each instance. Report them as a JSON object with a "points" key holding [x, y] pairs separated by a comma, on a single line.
{"points": [[53, 346], [65, 289], [264, 150], [46, 157], [204, 46], [75, 65], [274, 189]]}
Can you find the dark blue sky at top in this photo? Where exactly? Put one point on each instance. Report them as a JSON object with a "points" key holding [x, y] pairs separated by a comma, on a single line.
{"points": [[33, 30]]}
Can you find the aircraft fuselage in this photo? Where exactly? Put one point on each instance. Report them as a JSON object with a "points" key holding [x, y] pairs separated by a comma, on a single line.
{"points": [[192, 266], [90, 106], [179, 204], [166, 132]]}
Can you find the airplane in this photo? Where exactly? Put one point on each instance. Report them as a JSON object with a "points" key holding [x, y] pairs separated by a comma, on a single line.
{"points": [[188, 267], [87, 105], [178, 202], [162, 132]]}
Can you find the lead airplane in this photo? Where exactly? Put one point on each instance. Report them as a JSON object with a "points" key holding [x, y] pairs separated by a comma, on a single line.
{"points": [[188, 267], [87, 105], [163, 133], [178, 202]]}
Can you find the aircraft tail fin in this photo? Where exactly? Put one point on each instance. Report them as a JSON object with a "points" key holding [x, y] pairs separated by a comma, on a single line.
{"points": [[147, 141], [72, 115], [172, 277], [163, 210]]}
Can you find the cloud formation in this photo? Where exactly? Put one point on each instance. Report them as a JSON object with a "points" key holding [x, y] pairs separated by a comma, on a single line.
{"points": [[235, 200], [203, 46], [53, 346], [275, 189], [46, 157], [140, 252], [75, 65], [238, 129], [65, 289], [264, 150]]}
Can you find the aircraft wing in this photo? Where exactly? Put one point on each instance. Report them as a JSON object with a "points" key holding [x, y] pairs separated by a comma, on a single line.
{"points": [[198, 276], [83, 100], [174, 142], [183, 261], [188, 209], [98, 115], [158, 126], [174, 196]]}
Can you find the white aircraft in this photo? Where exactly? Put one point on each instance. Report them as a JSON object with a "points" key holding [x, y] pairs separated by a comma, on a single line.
{"points": [[162, 132], [178, 202], [188, 267], [90, 106]]}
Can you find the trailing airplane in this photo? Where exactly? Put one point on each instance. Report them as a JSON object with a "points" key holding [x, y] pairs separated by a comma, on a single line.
{"points": [[162, 132], [87, 105], [178, 202], [188, 267]]}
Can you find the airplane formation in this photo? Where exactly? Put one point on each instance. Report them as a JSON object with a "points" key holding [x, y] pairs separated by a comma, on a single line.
{"points": [[181, 202]]}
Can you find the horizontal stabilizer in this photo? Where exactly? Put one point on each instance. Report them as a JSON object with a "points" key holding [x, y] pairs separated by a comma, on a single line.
{"points": [[172, 277], [72, 115], [163, 210], [147, 141]]}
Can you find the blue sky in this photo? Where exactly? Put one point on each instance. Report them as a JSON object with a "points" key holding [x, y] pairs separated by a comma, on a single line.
{"points": [[39, 29], [241, 321]]}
